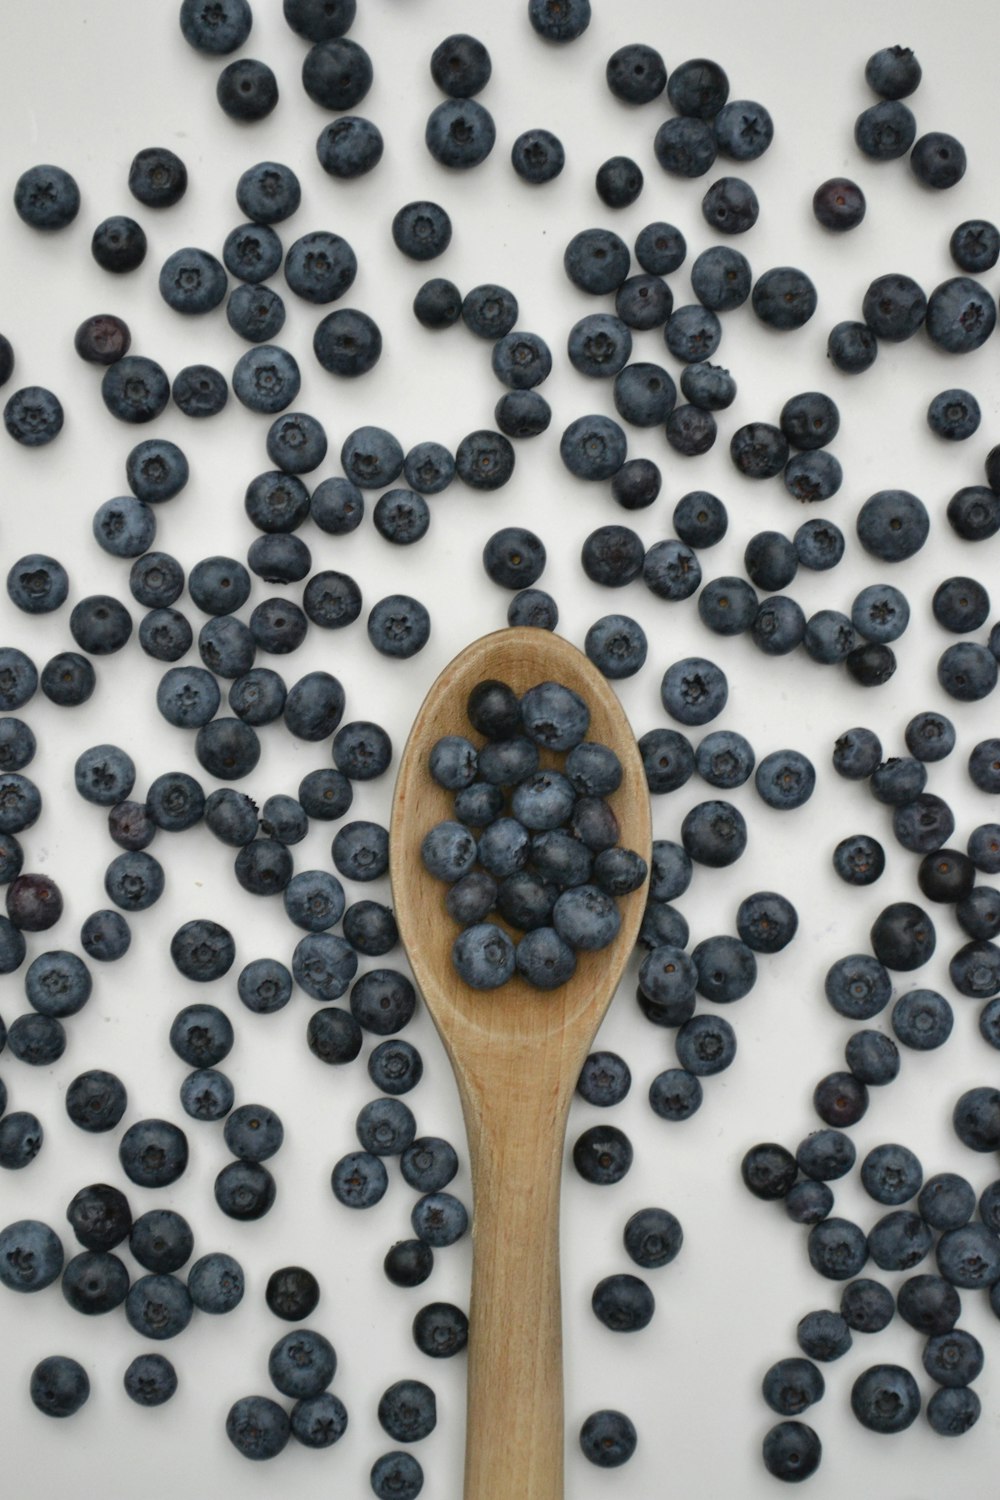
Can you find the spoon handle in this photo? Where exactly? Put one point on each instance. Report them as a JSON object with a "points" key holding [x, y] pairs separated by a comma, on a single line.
{"points": [[514, 1435]]}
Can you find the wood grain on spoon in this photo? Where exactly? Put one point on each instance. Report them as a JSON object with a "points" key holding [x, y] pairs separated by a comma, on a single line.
{"points": [[516, 1053]]}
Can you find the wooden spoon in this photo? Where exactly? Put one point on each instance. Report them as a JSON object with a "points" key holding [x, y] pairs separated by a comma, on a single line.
{"points": [[517, 1053]]}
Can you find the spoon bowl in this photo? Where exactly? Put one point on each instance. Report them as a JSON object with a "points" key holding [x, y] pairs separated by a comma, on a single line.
{"points": [[516, 1052]]}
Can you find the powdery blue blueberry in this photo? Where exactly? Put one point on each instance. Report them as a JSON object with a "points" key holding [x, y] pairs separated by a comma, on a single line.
{"points": [[349, 147], [484, 955]]}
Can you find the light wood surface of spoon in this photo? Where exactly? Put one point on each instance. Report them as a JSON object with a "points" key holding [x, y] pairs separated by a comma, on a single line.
{"points": [[517, 1053]]}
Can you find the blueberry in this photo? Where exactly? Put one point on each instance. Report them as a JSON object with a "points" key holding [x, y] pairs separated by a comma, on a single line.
{"points": [[201, 1035], [324, 965], [302, 1364], [396, 1475], [36, 1040], [604, 1079], [837, 1249], [31, 1255], [268, 192], [199, 391], [867, 1306], [967, 1256], [460, 134], [660, 248], [952, 1410], [705, 1045], [670, 570], [537, 156], [792, 1385], [135, 389], [967, 671], [533, 607], [668, 978], [292, 1292], [407, 1411], [636, 73], [692, 333], [892, 525], [759, 450], [59, 1386], [675, 1094], [975, 245], [954, 414], [245, 1190], [370, 928], [105, 936], [559, 20], [278, 626], [784, 297], [175, 801], [437, 1218], [852, 347], [779, 626], [206, 1094], [153, 1153], [202, 950], [21, 1138], [337, 73], [721, 278], [257, 1427], [899, 1240], [983, 848], [514, 557], [707, 386], [929, 1303], [157, 177], [954, 1358], [46, 197], [946, 1201], [885, 131], [96, 1100], [33, 416], [700, 519], [623, 1302], [791, 1451], [730, 206], [320, 267], [319, 20], [885, 1398], [118, 244], [824, 1335], [923, 824], [596, 261], [421, 230], [395, 1066], [839, 204], [618, 181], [766, 921], [694, 690], [265, 985], [961, 315], [938, 160], [743, 129], [150, 1380], [617, 645], [840, 1099], [192, 281], [95, 1282], [859, 859], [349, 147], [161, 1240], [247, 89], [714, 833], [974, 513], [383, 1001], [727, 969], [810, 477]]}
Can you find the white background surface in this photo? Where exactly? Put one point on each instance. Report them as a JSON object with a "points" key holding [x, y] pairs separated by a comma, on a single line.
{"points": [[88, 85]]}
